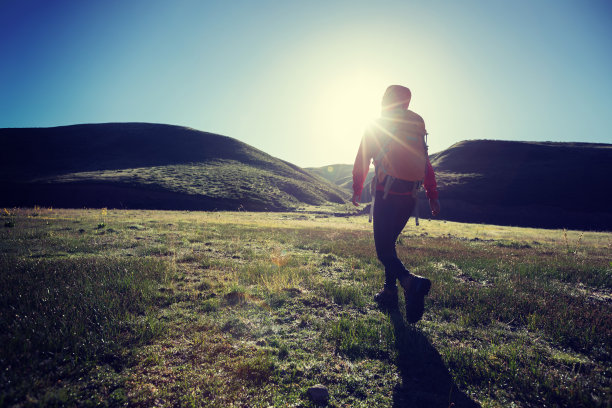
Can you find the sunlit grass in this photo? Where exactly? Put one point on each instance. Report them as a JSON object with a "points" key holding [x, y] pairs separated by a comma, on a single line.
{"points": [[68, 312], [214, 309]]}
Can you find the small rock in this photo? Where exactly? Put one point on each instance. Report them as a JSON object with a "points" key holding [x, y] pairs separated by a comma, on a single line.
{"points": [[318, 394]]}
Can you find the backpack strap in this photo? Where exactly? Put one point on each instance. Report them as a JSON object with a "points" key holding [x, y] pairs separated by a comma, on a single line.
{"points": [[415, 212], [373, 194], [388, 182], [381, 154], [379, 166], [417, 185]]}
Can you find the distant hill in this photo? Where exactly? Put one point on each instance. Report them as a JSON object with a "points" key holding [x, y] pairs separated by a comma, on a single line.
{"points": [[342, 176], [154, 166], [538, 184]]}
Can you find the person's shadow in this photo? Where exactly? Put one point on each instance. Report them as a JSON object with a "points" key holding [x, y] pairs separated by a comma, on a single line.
{"points": [[425, 380]]}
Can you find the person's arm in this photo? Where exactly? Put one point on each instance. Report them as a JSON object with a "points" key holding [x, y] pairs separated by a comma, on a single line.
{"points": [[431, 189], [360, 169]]}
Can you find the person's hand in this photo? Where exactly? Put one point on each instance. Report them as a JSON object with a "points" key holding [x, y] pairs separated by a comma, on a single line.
{"points": [[355, 200], [435, 207]]}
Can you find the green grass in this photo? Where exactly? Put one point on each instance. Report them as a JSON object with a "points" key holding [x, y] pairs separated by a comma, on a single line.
{"points": [[370, 337], [220, 180], [215, 309], [71, 312]]}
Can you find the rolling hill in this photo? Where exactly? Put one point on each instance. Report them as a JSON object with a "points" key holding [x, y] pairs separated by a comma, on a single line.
{"points": [[536, 184], [152, 166]]}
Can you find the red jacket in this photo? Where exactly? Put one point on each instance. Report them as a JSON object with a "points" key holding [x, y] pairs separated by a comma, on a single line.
{"points": [[369, 149]]}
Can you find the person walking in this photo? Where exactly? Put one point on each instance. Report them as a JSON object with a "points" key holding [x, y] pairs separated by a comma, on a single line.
{"points": [[396, 144]]}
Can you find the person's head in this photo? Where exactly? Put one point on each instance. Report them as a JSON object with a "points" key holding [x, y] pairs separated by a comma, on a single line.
{"points": [[396, 96]]}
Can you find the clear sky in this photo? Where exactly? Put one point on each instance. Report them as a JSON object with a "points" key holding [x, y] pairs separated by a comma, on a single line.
{"points": [[301, 79]]}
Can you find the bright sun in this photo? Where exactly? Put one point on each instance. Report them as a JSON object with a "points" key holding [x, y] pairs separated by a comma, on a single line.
{"points": [[345, 108]]}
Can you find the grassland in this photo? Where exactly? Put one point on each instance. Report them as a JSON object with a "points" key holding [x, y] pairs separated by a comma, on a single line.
{"points": [[144, 308]]}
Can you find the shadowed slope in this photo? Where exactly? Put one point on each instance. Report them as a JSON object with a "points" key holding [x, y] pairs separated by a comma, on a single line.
{"points": [[539, 184], [516, 173], [142, 165]]}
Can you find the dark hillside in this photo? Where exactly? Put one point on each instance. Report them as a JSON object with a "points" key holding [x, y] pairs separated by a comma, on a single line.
{"points": [[112, 146], [540, 184], [142, 165], [516, 173]]}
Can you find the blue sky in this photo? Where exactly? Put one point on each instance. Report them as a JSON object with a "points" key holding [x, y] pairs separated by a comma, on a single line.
{"points": [[300, 80]]}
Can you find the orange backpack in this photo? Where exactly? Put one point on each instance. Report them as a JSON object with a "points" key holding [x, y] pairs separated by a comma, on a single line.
{"points": [[402, 155], [403, 152]]}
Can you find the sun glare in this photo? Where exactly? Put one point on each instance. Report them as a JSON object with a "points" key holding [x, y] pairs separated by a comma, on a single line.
{"points": [[345, 108]]}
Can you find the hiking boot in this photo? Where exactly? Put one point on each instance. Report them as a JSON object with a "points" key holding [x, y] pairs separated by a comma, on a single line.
{"points": [[387, 298], [415, 289]]}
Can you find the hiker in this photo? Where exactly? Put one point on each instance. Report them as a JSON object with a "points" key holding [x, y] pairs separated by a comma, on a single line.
{"points": [[396, 143]]}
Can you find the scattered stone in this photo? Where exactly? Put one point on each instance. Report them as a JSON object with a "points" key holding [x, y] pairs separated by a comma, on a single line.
{"points": [[318, 394]]}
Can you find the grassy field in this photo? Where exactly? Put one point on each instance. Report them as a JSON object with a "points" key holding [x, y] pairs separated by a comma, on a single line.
{"points": [[145, 308]]}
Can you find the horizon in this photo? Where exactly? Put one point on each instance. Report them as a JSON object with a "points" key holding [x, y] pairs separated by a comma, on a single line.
{"points": [[300, 82], [539, 142]]}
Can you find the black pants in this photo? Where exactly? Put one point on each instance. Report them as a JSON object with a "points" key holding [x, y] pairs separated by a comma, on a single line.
{"points": [[390, 217]]}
